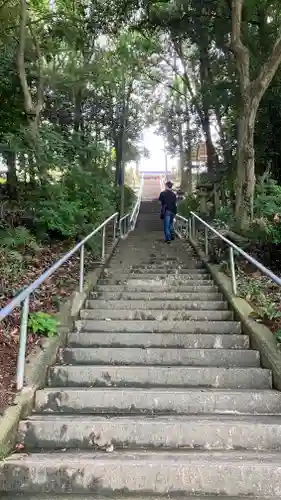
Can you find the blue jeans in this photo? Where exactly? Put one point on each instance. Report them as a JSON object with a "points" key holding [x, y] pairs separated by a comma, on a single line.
{"points": [[168, 225]]}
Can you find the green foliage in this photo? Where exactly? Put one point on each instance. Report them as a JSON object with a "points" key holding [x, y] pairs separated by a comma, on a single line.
{"points": [[267, 199], [267, 204], [278, 336], [41, 323], [18, 238], [254, 291], [76, 203], [11, 265], [189, 204], [129, 198], [225, 214], [64, 216]]}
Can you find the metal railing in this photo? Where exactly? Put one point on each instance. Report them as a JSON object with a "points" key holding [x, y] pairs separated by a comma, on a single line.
{"points": [[127, 223], [22, 300], [187, 228], [162, 183]]}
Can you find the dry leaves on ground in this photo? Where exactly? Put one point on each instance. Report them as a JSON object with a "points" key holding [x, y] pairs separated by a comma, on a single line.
{"points": [[46, 298]]}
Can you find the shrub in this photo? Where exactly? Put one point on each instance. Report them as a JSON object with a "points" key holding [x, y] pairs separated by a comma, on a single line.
{"points": [[18, 238], [129, 198], [189, 204], [61, 216], [225, 214], [43, 324], [267, 199], [76, 204], [267, 204]]}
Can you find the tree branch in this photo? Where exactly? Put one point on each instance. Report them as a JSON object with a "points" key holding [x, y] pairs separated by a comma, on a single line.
{"points": [[21, 62], [268, 69], [40, 88], [157, 80]]}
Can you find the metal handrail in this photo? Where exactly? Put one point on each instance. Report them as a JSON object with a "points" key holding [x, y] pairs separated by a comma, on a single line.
{"points": [[22, 299], [162, 183], [192, 233], [135, 212], [127, 223], [124, 226]]}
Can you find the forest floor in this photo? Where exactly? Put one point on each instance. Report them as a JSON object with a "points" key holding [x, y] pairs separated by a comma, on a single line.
{"points": [[260, 291], [46, 299]]}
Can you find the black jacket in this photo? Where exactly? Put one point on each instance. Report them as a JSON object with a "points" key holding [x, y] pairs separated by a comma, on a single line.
{"points": [[168, 201]]}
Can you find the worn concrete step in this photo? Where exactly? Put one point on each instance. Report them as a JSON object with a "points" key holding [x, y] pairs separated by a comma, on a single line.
{"points": [[162, 296], [167, 270], [231, 473], [165, 305], [219, 327], [156, 315], [153, 401], [155, 271], [176, 274], [219, 432], [163, 276], [156, 282], [85, 496], [161, 376], [176, 288], [159, 356], [185, 340]]}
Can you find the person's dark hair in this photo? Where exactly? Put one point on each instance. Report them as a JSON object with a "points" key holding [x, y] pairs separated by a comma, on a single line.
{"points": [[169, 184]]}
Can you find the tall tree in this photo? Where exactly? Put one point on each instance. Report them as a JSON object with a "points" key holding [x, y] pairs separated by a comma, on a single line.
{"points": [[251, 93]]}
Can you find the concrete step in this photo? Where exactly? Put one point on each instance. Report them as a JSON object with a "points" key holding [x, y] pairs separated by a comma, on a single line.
{"points": [[179, 289], [159, 356], [156, 282], [183, 340], [170, 276], [156, 304], [86, 496], [190, 432], [156, 401], [232, 473], [159, 376], [156, 315], [183, 279], [212, 295], [167, 270], [136, 326]]}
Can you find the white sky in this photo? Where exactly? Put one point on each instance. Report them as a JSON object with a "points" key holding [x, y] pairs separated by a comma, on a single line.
{"points": [[155, 145]]}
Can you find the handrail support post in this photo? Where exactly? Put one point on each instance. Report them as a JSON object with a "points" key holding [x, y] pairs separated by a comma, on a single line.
{"points": [[22, 347], [103, 244], [232, 269], [114, 228], [206, 242], [193, 227], [81, 274]]}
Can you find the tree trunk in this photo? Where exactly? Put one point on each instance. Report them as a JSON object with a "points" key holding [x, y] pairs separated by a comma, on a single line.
{"points": [[10, 158], [32, 109], [251, 95], [245, 186], [212, 157], [77, 123], [217, 201], [182, 157]]}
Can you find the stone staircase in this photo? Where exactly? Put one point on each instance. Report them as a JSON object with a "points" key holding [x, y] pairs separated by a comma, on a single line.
{"points": [[157, 393]]}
